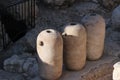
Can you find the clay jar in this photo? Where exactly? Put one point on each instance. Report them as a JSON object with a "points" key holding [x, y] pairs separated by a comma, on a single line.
{"points": [[50, 52], [74, 39], [95, 27], [116, 71]]}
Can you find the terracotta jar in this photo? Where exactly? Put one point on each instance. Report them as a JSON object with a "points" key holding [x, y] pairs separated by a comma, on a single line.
{"points": [[50, 52], [74, 39], [95, 27]]}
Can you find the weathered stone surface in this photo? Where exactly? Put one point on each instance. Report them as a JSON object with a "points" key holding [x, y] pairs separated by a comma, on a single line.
{"points": [[22, 64], [109, 4], [106, 77], [86, 7], [112, 43], [10, 76], [59, 2], [95, 1], [115, 19], [94, 70], [36, 78]]}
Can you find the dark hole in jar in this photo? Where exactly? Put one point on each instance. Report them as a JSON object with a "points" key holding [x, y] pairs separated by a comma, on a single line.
{"points": [[48, 31], [65, 34], [41, 43], [72, 23]]}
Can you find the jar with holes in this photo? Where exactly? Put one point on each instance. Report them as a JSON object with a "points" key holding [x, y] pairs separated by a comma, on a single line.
{"points": [[74, 39], [50, 54]]}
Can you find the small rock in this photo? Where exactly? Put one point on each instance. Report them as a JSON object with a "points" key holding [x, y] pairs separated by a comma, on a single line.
{"points": [[109, 4], [112, 43], [116, 18], [13, 64], [21, 64], [10, 76], [59, 2]]}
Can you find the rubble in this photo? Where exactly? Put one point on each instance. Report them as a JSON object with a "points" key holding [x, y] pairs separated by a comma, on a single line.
{"points": [[10, 76], [22, 64], [115, 19]]}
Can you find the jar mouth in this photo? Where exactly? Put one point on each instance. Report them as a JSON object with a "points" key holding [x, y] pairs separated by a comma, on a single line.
{"points": [[72, 23], [48, 31]]}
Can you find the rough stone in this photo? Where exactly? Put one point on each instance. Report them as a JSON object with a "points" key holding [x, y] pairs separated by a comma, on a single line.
{"points": [[22, 64], [36, 78], [10, 76], [112, 43], [106, 77], [109, 4], [59, 2], [115, 19], [86, 7], [95, 1]]}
